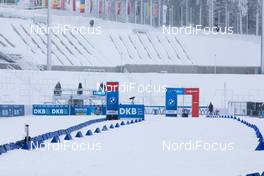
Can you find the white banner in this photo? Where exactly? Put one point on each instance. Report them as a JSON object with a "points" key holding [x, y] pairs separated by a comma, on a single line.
{"points": [[164, 14]]}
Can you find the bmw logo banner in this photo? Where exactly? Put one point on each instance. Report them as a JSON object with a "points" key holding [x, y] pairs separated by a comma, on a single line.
{"points": [[112, 98], [171, 100]]}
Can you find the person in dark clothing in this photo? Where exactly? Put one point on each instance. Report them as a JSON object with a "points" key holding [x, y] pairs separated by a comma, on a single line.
{"points": [[58, 89], [80, 89], [217, 28], [211, 108], [91, 23]]}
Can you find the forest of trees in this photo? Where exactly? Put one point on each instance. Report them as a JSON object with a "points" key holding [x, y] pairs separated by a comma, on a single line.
{"points": [[243, 15]]}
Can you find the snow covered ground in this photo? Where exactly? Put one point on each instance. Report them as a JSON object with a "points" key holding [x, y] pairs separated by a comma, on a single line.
{"points": [[138, 149]]}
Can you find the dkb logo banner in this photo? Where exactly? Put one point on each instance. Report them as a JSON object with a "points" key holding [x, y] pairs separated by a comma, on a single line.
{"points": [[131, 111], [50, 110]]}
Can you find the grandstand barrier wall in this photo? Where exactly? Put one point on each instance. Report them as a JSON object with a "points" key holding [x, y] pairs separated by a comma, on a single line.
{"points": [[12, 110], [64, 110], [49, 110], [160, 110]]}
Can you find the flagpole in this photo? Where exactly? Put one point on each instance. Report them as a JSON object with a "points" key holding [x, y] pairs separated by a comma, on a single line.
{"points": [[159, 1], [127, 11], [49, 37], [141, 11], [135, 11], [151, 12], [262, 41], [98, 14]]}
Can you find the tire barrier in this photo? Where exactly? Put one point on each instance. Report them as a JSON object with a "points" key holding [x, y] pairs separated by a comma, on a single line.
{"points": [[104, 128], [79, 134], [112, 126], [259, 135], [122, 123], [97, 130], [89, 133], [55, 139], [68, 137], [117, 125]]}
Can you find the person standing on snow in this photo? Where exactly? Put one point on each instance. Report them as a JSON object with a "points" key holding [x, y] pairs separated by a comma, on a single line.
{"points": [[211, 108]]}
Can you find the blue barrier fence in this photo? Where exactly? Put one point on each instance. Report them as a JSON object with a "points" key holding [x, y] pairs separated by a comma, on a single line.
{"points": [[259, 135], [160, 110], [12, 110], [41, 138], [37, 141]]}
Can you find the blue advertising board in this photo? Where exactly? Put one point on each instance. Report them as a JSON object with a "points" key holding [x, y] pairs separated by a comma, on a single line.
{"points": [[6, 111], [12, 110], [99, 93], [51, 110], [112, 99], [18, 110], [48, 110], [171, 100], [131, 111], [86, 110], [80, 110]]}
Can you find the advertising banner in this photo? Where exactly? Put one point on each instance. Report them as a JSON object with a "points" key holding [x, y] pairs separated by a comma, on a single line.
{"points": [[171, 100], [51, 110], [131, 111]]}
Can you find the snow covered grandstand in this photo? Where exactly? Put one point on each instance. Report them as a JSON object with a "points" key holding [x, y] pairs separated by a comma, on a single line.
{"points": [[119, 47]]}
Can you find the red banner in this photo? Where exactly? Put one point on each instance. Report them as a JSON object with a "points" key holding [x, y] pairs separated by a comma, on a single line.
{"points": [[195, 100], [156, 8], [100, 8], [91, 6], [112, 86], [118, 7], [128, 7], [108, 7], [138, 11]]}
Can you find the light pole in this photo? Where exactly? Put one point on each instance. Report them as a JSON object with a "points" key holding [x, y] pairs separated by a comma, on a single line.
{"points": [[215, 64], [49, 36], [262, 40]]}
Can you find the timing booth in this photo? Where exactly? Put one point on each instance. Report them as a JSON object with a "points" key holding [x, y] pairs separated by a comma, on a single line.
{"points": [[172, 100]]}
